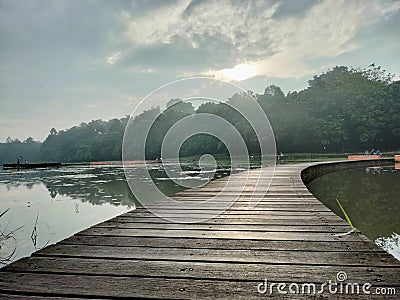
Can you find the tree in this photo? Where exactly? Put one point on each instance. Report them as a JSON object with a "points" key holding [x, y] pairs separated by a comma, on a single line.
{"points": [[343, 109], [53, 131]]}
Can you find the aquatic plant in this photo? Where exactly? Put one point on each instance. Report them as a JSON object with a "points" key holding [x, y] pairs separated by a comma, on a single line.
{"points": [[4, 237], [353, 229], [34, 235]]}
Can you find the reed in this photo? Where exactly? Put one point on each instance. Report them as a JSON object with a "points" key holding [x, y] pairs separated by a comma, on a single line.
{"points": [[35, 233], [5, 236], [353, 229]]}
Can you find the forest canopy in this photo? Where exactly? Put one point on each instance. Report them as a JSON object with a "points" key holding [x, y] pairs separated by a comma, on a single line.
{"points": [[341, 110]]}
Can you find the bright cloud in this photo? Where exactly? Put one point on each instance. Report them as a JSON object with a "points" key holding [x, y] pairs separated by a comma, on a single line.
{"points": [[327, 30], [275, 47], [243, 25], [237, 73], [113, 58]]}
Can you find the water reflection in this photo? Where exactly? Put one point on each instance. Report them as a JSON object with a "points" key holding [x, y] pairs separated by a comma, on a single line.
{"points": [[94, 185], [52, 204], [373, 170], [370, 197]]}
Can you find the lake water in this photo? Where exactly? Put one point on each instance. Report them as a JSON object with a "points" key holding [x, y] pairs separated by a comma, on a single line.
{"points": [[60, 202], [371, 198], [49, 205]]}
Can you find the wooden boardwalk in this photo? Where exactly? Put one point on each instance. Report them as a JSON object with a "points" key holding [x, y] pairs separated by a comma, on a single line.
{"points": [[288, 238]]}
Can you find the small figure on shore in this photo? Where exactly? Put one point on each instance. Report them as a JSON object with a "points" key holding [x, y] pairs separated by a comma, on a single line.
{"points": [[378, 152], [366, 152], [280, 156], [372, 151]]}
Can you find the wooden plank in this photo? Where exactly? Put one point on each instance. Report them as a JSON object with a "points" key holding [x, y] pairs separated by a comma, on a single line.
{"points": [[242, 212], [227, 244], [274, 220], [221, 234], [227, 227], [134, 287], [216, 207], [236, 215], [249, 195], [201, 270], [287, 193], [249, 198], [339, 258]]}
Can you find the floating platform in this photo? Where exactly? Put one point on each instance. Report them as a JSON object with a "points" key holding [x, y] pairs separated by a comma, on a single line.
{"points": [[289, 237], [31, 165]]}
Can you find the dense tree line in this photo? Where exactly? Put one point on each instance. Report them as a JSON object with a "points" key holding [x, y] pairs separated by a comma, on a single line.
{"points": [[94, 141], [12, 150], [341, 110]]}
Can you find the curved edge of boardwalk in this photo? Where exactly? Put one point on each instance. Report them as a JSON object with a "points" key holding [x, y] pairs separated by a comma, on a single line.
{"points": [[288, 238]]}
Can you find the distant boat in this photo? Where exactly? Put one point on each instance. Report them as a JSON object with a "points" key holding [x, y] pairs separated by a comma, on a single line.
{"points": [[31, 165]]}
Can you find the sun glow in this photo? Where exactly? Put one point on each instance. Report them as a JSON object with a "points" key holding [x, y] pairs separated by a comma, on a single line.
{"points": [[238, 73]]}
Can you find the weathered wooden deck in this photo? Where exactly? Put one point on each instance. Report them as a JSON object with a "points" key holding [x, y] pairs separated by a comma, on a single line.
{"points": [[288, 238]]}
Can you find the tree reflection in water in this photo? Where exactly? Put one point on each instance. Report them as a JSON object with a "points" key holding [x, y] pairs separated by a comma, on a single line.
{"points": [[53, 204], [95, 185]]}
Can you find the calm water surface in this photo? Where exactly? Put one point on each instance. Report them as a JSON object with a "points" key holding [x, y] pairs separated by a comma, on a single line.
{"points": [[49, 205], [370, 197]]}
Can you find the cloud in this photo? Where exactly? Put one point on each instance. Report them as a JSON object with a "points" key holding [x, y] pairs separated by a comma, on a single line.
{"points": [[327, 30], [293, 8], [277, 38], [114, 57], [237, 29], [238, 73]]}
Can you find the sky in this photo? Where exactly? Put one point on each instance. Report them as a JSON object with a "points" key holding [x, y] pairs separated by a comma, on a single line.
{"points": [[63, 62]]}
